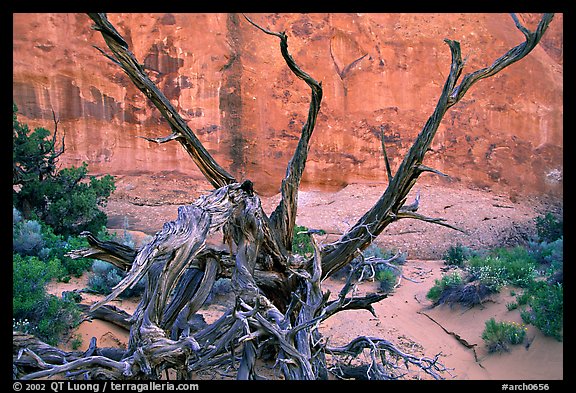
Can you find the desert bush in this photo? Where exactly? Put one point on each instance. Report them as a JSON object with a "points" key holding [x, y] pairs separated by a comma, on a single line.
{"points": [[467, 294], [104, 276], [29, 277], [74, 267], [57, 317], [491, 275], [27, 238], [222, 287], [549, 257], [301, 243], [546, 311], [387, 277], [522, 299], [503, 266], [373, 251], [68, 199], [447, 281], [498, 335], [76, 342], [549, 227], [35, 238], [41, 314], [457, 255], [221, 292]]}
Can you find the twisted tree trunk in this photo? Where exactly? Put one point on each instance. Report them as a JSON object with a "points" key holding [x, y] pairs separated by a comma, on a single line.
{"points": [[279, 299]]}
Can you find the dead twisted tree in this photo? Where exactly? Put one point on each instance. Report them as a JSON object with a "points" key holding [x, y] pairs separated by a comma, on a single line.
{"points": [[279, 299]]}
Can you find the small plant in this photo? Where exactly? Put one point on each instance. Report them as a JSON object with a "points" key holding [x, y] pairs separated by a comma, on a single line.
{"points": [[511, 306], [457, 255], [21, 325], [387, 277], [76, 341], [105, 276], [498, 335], [546, 308], [447, 281], [522, 299], [549, 228], [301, 243], [514, 266]]}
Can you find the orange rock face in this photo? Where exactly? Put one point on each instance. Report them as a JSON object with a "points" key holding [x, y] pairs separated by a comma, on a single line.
{"points": [[380, 72]]}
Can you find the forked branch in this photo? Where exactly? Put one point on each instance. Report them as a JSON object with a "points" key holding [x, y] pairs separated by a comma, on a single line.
{"points": [[121, 55], [386, 209]]}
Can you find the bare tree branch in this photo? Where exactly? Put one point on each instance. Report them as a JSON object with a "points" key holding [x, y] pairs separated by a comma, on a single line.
{"points": [[387, 207], [386, 161], [122, 56], [510, 57], [283, 219]]}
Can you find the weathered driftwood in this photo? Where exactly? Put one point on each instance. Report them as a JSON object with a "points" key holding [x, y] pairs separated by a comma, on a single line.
{"points": [[279, 298]]}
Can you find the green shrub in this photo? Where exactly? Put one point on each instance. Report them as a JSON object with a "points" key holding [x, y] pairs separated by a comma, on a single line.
{"points": [[498, 335], [549, 227], [457, 255], [56, 319], [29, 277], [35, 238], [105, 276], [447, 281], [68, 199], [387, 277], [513, 266], [520, 266], [74, 267], [76, 341], [548, 253], [546, 308], [301, 243], [41, 314], [523, 298]]}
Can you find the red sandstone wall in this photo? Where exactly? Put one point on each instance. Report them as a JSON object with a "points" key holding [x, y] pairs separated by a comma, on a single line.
{"points": [[229, 82]]}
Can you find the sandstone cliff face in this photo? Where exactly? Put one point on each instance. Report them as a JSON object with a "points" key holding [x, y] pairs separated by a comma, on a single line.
{"points": [[380, 72]]}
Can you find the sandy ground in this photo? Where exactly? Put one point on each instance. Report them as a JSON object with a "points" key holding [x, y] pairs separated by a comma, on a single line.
{"points": [[405, 318]]}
